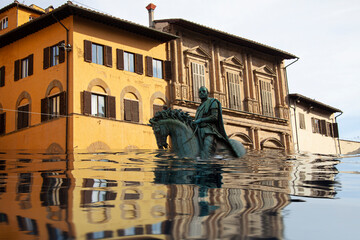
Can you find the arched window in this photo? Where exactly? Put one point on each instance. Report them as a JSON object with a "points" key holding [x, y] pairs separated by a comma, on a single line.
{"points": [[97, 100], [54, 103], [131, 104], [23, 106]]}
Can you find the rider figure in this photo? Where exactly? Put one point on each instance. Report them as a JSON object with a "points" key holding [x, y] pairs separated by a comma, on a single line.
{"points": [[209, 123]]}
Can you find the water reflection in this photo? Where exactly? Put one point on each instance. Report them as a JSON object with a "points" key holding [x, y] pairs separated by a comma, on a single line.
{"points": [[155, 195]]}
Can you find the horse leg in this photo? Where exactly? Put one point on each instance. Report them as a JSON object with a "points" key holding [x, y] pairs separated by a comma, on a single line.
{"points": [[209, 146]]}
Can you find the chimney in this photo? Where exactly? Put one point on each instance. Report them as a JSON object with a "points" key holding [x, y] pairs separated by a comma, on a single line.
{"points": [[151, 7]]}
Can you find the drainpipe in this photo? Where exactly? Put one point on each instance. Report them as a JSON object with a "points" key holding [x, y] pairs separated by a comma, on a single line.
{"points": [[67, 48], [287, 88], [296, 129], [338, 138]]}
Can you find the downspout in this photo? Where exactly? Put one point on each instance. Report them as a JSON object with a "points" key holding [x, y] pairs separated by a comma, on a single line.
{"points": [[67, 48], [338, 138], [287, 88], [296, 129]]}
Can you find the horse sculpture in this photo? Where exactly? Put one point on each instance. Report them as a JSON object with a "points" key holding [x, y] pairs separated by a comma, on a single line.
{"points": [[184, 140]]}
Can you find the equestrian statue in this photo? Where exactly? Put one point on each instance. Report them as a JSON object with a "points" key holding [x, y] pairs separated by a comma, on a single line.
{"points": [[203, 137]]}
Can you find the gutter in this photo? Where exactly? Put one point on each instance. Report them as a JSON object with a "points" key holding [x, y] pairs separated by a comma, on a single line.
{"points": [[287, 88], [338, 138], [67, 48]]}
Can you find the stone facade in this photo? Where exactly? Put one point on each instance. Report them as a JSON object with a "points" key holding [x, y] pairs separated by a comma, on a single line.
{"points": [[248, 79]]}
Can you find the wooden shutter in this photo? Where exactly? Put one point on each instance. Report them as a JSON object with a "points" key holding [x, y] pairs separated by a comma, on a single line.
{"points": [[335, 130], [234, 91], [135, 111], [313, 125], [120, 59], [87, 51], [149, 66], [44, 109], [63, 104], [86, 103], [108, 56], [17, 70], [2, 123], [127, 110], [323, 127], [46, 62], [157, 108], [23, 116], [302, 121], [111, 107], [2, 76], [31, 64], [168, 71], [139, 68], [61, 52]]}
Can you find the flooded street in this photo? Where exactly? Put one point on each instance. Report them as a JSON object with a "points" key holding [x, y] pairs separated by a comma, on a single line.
{"points": [[154, 195]]}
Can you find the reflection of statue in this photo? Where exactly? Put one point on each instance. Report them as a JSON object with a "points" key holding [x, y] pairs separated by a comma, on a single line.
{"points": [[209, 124], [203, 137]]}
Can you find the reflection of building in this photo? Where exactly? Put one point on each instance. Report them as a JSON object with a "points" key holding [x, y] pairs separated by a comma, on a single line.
{"points": [[247, 77], [75, 78], [314, 125]]}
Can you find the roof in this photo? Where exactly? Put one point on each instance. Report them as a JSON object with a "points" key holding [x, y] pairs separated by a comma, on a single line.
{"points": [[313, 102], [19, 5], [228, 37], [70, 9]]}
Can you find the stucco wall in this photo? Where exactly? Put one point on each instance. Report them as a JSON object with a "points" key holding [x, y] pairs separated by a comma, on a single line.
{"points": [[349, 147]]}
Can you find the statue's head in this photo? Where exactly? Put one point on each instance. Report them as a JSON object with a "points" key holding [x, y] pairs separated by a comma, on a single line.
{"points": [[203, 93]]}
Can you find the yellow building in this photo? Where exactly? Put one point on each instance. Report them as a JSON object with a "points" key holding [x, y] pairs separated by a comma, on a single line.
{"points": [[75, 79]]}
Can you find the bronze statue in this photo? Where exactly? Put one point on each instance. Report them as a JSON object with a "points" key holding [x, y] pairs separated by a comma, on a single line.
{"points": [[203, 137]]}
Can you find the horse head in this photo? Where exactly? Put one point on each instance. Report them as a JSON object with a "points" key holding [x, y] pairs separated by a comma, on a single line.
{"points": [[161, 128]]}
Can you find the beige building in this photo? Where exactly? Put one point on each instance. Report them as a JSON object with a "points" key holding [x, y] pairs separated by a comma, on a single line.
{"points": [[315, 129], [247, 77]]}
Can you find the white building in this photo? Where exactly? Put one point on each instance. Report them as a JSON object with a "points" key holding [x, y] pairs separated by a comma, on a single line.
{"points": [[314, 126]]}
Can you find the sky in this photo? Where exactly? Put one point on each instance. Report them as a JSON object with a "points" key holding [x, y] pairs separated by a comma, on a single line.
{"points": [[324, 34]]}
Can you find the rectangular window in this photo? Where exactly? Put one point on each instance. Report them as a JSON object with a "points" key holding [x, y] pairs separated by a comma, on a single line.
{"points": [[54, 106], [157, 68], [97, 53], [198, 77], [54, 55], [23, 116], [24, 68], [302, 121], [98, 105], [266, 98], [4, 23], [234, 91], [315, 125], [2, 76], [129, 62]]}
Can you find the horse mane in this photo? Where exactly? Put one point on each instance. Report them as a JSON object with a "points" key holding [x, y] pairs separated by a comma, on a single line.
{"points": [[176, 114]]}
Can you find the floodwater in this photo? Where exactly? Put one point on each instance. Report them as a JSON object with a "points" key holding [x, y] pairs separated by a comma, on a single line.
{"points": [[154, 195]]}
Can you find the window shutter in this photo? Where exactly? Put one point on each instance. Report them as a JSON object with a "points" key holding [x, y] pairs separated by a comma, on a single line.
{"points": [[2, 123], [44, 109], [17, 70], [313, 125], [135, 111], [120, 59], [2, 76], [323, 127], [63, 104], [31, 64], [157, 108], [108, 56], [86, 103], [335, 130], [61, 52], [127, 110], [87, 51], [23, 116], [302, 120], [139, 69], [168, 71], [111, 107], [149, 67], [46, 62]]}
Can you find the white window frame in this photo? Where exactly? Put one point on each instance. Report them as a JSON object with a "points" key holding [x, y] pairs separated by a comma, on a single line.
{"points": [[24, 67], [54, 106], [157, 68], [95, 106], [4, 23], [55, 55], [129, 61], [97, 53]]}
